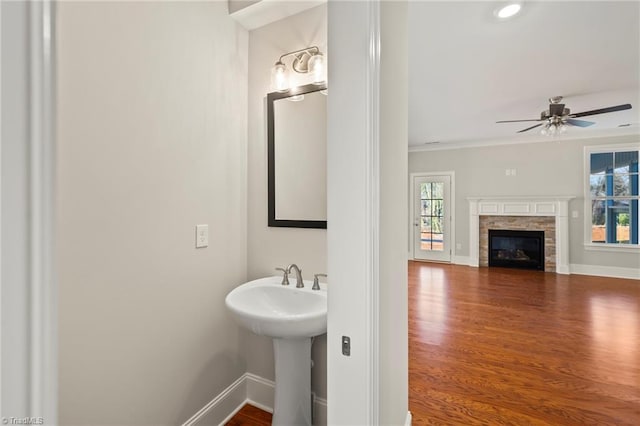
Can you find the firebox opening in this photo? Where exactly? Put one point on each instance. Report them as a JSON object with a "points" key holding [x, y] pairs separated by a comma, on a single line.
{"points": [[516, 249]]}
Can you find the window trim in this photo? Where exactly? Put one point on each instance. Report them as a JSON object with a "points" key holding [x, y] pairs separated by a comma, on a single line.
{"points": [[587, 225]]}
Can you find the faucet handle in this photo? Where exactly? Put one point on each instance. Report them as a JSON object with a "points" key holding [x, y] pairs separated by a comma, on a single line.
{"points": [[285, 277], [316, 281]]}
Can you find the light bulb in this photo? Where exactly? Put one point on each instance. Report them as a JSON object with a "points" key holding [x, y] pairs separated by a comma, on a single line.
{"points": [[279, 77], [316, 68]]}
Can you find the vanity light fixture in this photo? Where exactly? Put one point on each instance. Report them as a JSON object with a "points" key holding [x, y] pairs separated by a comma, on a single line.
{"points": [[508, 10], [305, 61]]}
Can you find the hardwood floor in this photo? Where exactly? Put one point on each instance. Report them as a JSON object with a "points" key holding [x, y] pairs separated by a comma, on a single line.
{"points": [[250, 416], [494, 346]]}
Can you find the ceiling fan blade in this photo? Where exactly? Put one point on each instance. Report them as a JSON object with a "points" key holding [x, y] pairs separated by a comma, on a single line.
{"points": [[529, 128], [580, 123], [601, 111], [517, 121]]}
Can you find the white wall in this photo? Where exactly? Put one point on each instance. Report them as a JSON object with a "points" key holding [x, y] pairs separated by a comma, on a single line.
{"points": [[544, 168], [152, 141], [269, 248], [15, 210]]}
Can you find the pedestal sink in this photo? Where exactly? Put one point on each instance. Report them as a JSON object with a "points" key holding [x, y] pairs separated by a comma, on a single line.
{"points": [[291, 316]]}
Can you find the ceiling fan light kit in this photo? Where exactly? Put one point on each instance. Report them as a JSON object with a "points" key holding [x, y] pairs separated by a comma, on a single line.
{"points": [[553, 128], [557, 118]]}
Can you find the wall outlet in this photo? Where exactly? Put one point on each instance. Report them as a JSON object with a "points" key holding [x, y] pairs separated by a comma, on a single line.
{"points": [[574, 214], [458, 246], [202, 236]]}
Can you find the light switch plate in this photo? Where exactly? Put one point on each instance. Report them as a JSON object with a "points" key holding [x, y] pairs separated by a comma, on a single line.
{"points": [[202, 236]]}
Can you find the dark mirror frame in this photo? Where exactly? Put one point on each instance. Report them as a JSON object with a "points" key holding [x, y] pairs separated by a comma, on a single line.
{"points": [[271, 171]]}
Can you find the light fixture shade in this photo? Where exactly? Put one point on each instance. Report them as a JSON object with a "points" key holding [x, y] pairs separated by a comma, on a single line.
{"points": [[279, 77], [317, 68]]}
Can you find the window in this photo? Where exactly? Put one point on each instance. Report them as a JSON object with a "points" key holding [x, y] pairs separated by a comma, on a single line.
{"points": [[431, 215], [612, 196]]}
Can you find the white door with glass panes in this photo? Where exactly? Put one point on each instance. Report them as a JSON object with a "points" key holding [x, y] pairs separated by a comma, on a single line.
{"points": [[432, 218]]}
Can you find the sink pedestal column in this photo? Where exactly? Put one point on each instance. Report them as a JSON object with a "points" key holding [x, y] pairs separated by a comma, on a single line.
{"points": [[292, 406]]}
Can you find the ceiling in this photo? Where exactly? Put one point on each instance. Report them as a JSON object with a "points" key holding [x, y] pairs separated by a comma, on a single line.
{"points": [[468, 70]]}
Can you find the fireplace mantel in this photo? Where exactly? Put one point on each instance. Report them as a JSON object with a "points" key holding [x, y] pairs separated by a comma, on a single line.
{"points": [[557, 206]]}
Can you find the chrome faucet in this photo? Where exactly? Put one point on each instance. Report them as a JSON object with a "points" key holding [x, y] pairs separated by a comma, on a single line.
{"points": [[299, 282]]}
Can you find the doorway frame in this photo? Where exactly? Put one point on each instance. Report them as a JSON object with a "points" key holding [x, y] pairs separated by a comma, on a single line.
{"points": [[366, 259], [452, 205], [34, 378]]}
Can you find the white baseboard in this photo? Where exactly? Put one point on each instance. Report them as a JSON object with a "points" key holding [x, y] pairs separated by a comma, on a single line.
{"points": [[600, 271], [248, 389], [260, 392], [461, 260], [221, 408], [605, 271], [455, 260], [407, 421]]}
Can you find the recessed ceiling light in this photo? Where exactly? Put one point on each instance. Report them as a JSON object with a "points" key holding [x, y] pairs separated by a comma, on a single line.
{"points": [[507, 11]]}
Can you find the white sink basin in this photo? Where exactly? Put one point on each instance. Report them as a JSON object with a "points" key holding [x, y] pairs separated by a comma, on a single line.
{"points": [[291, 316], [268, 308]]}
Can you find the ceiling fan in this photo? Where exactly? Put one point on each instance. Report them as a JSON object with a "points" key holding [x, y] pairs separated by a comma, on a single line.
{"points": [[557, 117]]}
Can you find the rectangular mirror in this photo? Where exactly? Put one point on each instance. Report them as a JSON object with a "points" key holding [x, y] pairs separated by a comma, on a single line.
{"points": [[297, 157]]}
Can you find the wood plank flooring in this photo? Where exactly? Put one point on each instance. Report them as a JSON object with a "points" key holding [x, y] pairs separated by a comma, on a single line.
{"points": [[490, 346], [494, 346], [250, 416]]}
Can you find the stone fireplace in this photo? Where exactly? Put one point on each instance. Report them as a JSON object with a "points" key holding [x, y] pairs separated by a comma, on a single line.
{"points": [[547, 214]]}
